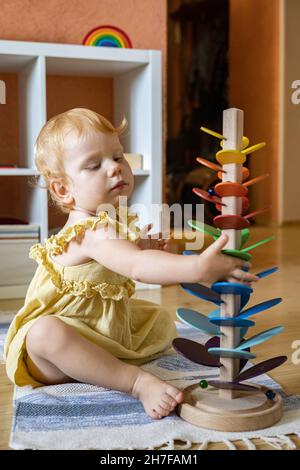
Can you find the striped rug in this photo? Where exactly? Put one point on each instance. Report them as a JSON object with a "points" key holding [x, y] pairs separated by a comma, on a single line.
{"points": [[81, 416]]}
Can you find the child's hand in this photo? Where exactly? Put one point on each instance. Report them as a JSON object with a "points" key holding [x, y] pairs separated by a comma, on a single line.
{"points": [[156, 242], [215, 266]]}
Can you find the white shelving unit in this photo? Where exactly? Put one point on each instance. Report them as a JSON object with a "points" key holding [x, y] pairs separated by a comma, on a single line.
{"points": [[137, 90]]}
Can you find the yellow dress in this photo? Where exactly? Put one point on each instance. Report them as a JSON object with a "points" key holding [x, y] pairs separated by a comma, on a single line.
{"points": [[91, 298]]}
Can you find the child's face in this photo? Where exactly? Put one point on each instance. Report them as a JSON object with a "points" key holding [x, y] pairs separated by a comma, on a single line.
{"points": [[95, 164]]}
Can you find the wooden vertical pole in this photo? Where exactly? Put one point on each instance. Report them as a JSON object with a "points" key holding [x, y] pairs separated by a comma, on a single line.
{"points": [[233, 122]]}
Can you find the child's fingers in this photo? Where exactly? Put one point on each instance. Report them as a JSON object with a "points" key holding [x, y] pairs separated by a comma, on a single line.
{"points": [[218, 245], [167, 245], [235, 280], [145, 230], [156, 236], [246, 264], [244, 283], [240, 263], [244, 276]]}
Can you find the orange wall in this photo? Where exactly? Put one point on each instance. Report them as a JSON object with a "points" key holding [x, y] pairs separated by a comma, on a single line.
{"points": [[290, 119], [68, 21], [254, 88]]}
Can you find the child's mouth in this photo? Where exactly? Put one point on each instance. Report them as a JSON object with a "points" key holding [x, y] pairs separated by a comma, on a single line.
{"points": [[119, 186]]}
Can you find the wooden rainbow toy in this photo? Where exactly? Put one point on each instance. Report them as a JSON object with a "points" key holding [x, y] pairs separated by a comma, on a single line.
{"points": [[231, 403], [107, 36]]}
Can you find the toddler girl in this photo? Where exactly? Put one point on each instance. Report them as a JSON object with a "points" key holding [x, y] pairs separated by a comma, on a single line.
{"points": [[79, 322]]}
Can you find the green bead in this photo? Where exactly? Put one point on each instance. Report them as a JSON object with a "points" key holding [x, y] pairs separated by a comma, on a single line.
{"points": [[203, 384]]}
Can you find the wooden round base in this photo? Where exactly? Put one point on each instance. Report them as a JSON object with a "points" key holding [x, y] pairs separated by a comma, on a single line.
{"points": [[246, 412]]}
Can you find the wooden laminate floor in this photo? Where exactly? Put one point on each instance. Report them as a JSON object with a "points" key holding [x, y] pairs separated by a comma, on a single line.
{"points": [[283, 252]]}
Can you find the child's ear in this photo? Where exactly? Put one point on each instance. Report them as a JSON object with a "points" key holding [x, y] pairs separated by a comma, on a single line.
{"points": [[61, 190]]}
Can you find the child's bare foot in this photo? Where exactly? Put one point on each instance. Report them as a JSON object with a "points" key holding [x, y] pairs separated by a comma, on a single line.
{"points": [[159, 398]]}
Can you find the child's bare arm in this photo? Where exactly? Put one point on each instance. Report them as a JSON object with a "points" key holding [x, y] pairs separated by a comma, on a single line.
{"points": [[159, 267], [128, 259], [212, 265]]}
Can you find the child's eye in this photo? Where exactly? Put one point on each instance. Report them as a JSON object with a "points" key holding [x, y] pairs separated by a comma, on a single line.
{"points": [[95, 167], [120, 157]]}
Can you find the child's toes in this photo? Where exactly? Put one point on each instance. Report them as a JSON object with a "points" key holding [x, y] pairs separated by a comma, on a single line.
{"points": [[153, 414], [175, 393], [161, 410], [169, 403]]}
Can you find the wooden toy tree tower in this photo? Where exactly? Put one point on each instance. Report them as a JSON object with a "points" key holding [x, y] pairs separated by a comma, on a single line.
{"points": [[230, 403]]}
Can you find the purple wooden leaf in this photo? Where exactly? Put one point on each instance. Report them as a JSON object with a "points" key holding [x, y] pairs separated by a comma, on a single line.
{"points": [[261, 368], [195, 352], [203, 292], [213, 342]]}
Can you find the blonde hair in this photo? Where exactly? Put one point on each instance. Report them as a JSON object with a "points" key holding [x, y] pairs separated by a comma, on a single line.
{"points": [[49, 146]]}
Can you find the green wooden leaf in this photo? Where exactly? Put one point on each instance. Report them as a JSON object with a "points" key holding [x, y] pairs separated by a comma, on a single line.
{"points": [[251, 247], [205, 228]]}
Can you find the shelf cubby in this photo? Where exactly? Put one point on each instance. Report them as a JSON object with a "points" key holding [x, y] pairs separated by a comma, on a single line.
{"points": [[45, 79]]}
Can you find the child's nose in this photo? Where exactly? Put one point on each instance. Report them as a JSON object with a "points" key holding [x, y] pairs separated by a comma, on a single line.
{"points": [[113, 168]]}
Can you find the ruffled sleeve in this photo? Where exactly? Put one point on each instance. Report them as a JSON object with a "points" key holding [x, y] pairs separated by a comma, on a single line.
{"points": [[122, 290], [124, 224]]}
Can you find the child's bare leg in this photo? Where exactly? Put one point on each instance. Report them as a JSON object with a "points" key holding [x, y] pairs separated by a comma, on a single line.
{"points": [[45, 372], [51, 342]]}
